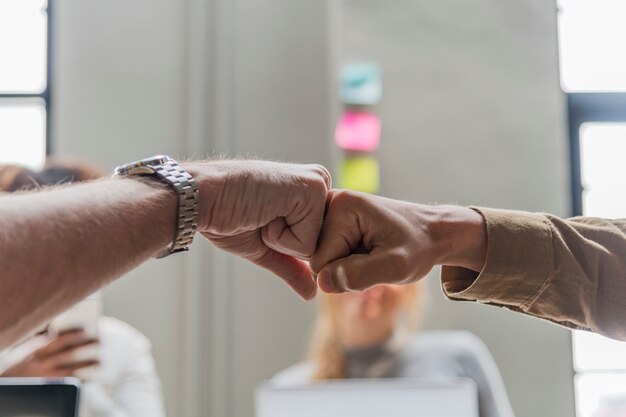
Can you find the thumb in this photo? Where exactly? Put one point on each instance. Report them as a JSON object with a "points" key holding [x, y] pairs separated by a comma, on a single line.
{"points": [[359, 272]]}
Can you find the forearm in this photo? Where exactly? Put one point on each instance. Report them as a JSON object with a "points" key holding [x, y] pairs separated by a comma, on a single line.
{"points": [[60, 245], [63, 244], [460, 236]]}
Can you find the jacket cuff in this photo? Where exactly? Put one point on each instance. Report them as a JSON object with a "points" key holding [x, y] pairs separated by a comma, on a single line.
{"points": [[518, 264]]}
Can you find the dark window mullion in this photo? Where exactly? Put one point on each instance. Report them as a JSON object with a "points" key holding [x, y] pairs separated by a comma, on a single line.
{"points": [[19, 95], [47, 94], [589, 108]]}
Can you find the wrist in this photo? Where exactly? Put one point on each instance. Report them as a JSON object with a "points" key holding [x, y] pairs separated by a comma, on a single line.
{"points": [[210, 179], [163, 169], [460, 237]]}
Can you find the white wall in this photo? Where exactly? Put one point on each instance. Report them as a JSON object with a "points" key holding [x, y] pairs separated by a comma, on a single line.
{"points": [[277, 69], [252, 76]]}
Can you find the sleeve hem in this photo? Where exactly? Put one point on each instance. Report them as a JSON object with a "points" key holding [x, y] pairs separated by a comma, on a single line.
{"points": [[519, 261]]}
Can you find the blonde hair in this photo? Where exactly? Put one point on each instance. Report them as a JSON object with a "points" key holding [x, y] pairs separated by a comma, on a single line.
{"points": [[326, 350]]}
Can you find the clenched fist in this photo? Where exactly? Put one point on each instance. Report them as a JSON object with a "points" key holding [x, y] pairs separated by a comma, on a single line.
{"points": [[269, 213], [368, 240]]}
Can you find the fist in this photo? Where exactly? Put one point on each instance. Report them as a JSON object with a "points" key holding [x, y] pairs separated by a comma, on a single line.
{"points": [[266, 212], [368, 240]]}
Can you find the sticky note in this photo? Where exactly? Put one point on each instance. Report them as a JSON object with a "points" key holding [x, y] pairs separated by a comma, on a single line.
{"points": [[360, 173], [358, 131], [361, 84]]}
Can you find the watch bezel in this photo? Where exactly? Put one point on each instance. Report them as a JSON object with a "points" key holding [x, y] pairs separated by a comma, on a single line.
{"points": [[142, 167]]}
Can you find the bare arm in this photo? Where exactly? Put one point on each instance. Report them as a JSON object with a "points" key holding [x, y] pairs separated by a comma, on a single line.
{"points": [[58, 246]]}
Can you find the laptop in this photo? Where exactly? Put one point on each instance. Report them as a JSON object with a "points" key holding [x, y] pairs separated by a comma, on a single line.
{"points": [[39, 397], [370, 398]]}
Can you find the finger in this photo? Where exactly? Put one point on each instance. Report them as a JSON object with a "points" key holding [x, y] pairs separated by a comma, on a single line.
{"points": [[67, 355], [341, 234], [71, 367], [70, 331], [295, 272], [71, 355], [280, 236], [296, 233], [69, 349], [362, 271], [324, 173], [62, 342]]}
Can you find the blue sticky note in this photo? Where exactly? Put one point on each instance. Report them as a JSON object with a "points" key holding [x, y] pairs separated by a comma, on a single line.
{"points": [[361, 84]]}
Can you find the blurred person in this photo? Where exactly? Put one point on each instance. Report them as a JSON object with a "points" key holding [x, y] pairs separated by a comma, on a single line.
{"points": [[125, 383], [370, 335], [119, 378], [56, 171]]}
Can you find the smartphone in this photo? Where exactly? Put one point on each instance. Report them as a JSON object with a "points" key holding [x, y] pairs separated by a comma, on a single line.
{"points": [[84, 316]]}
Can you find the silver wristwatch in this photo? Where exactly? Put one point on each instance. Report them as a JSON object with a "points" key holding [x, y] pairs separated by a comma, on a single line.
{"points": [[165, 169]]}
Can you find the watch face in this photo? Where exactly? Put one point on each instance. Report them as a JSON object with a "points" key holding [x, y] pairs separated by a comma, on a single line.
{"points": [[143, 167], [153, 160]]}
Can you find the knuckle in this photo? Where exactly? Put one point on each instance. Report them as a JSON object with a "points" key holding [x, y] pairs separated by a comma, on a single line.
{"points": [[321, 171], [349, 198], [342, 198]]}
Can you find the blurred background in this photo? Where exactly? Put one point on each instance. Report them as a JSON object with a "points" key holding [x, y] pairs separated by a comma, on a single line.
{"points": [[506, 103]]}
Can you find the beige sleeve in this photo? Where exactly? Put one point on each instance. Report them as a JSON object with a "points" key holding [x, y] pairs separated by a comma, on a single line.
{"points": [[571, 272]]}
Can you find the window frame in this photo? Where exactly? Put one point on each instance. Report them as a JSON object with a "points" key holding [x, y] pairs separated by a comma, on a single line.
{"points": [[46, 95], [589, 108]]}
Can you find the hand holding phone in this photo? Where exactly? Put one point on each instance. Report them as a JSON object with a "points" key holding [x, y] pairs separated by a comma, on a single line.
{"points": [[58, 358], [84, 317]]}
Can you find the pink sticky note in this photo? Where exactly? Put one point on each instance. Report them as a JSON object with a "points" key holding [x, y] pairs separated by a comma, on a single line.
{"points": [[358, 131]]}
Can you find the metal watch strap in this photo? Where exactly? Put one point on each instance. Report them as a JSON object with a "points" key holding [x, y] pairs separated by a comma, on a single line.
{"points": [[166, 169], [187, 209]]}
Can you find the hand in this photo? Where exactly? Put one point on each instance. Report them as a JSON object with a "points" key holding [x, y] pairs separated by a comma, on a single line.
{"points": [[55, 359], [368, 240], [269, 213]]}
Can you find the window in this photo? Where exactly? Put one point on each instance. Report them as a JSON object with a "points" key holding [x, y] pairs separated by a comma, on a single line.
{"points": [[593, 75], [24, 82]]}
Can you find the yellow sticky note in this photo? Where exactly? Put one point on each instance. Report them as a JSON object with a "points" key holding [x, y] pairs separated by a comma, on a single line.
{"points": [[360, 174]]}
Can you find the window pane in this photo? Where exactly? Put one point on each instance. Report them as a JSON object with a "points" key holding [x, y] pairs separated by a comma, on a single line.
{"points": [[601, 395], [591, 45], [593, 352], [602, 152], [22, 46], [23, 133]]}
